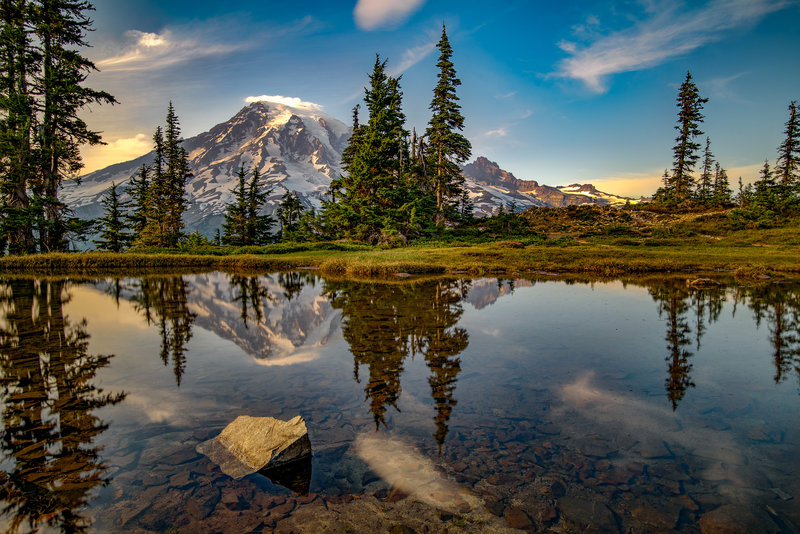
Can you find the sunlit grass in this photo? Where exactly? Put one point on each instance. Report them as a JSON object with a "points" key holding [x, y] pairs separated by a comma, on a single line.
{"points": [[598, 257]]}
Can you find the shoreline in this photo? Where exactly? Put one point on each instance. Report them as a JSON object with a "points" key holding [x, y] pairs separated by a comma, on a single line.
{"points": [[477, 260]]}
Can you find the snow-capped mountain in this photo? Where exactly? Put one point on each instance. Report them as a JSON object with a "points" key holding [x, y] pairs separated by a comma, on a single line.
{"points": [[294, 148], [290, 326], [297, 149]]}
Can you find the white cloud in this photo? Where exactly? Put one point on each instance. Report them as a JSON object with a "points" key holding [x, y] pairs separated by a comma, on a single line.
{"points": [[146, 51], [97, 157], [290, 101], [411, 57], [374, 14], [506, 96], [667, 31], [500, 132], [525, 114]]}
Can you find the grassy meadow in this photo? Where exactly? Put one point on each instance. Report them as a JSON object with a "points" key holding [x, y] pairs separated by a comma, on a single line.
{"points": [[595, 241]]}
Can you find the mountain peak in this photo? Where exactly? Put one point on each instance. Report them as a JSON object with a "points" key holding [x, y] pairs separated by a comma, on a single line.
{"points": [[488, 172]]}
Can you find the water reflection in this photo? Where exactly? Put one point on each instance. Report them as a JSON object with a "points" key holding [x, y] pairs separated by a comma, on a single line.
{"points": [[779, 306], [50, 463], [384, 324], [163, 301], [676, 301], [553, 419]]}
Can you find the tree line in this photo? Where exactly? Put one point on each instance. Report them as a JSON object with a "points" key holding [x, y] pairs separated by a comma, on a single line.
{"points": [[776, 192]]}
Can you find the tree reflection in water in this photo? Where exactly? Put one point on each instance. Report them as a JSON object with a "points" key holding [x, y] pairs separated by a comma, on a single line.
{"points": [[779, 306], [48, 398], [676, 301], [386, 323], [164, 301], [251, 296], [776, 304]]}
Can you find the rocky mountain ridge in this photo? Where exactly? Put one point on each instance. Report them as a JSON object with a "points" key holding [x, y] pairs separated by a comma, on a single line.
{"points": [[484, 171]]}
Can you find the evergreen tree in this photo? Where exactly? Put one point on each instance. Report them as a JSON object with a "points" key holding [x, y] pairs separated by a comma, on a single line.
{"points": [[177, 174], [787, 167], [234, 228], [138, 191], [290, 210], [114, 235], [705, 185], [18, 61], [166, 199], [243, 225], [721, 193], [764, 195], [448, 147], [61, 27], [258, 228], [373, 196], [690, 106], [154, 206]]}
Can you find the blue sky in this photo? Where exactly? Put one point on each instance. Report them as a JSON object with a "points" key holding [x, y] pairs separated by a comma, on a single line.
{"points": [[558, 92]]}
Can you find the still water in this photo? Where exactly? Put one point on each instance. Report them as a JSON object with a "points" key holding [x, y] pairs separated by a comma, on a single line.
{"points": [[431, 404]]}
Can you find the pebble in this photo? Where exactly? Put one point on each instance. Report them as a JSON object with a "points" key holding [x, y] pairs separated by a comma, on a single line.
{"points": [[517, 518]]}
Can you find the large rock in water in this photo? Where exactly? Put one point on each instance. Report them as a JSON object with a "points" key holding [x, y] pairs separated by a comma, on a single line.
{"points": [[251, 444]]}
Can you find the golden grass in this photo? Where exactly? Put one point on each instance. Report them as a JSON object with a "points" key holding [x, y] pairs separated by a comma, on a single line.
{"points": [[589, 258]]}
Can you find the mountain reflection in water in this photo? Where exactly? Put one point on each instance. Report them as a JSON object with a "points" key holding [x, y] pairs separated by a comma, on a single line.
{"points": [[501, 385]]}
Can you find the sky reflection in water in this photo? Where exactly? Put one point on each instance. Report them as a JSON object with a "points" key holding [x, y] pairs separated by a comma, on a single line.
{"points": [[658, 395]]}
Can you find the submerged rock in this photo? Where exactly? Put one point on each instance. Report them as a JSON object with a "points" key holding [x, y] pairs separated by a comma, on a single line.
{"points": [[251, 444]]}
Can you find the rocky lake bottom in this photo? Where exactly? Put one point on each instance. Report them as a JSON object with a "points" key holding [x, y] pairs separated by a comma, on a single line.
{"points": [[432, 405]]}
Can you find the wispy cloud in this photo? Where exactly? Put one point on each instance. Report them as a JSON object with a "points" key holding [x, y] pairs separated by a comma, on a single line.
{"points": [[506, 95], [374, 14], [499, 132], [291, 101], [147, 51], [669, 29], [411, 57], [721, 87]]}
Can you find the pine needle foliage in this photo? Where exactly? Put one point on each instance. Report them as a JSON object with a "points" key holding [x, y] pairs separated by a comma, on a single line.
{"points": [[115, 235], [447, 146], [685, 156], [42, 95]]}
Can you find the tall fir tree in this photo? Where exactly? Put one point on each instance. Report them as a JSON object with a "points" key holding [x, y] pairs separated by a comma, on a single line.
{"points": [[374, 196], [787, 166], [115, 235], [61, 27], [448, 147], [690, 116], [177, 173], [18, 120], [289, 212], [166, 200]]}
